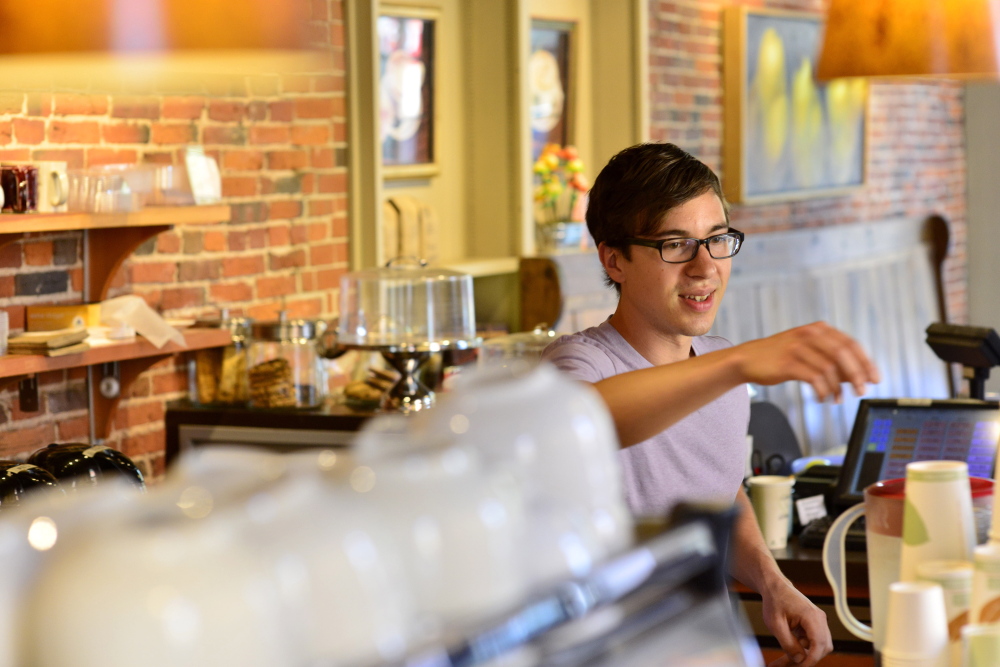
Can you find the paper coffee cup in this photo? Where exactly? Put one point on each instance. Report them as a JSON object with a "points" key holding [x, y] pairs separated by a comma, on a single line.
{"points": [[771, 497], [917, 626], [980, 645], [938, 522], [985, 604], [955, 579]]}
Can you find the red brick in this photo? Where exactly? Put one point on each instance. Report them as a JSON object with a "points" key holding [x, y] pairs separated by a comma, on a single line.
{"points": [[318, 231], [168, 243], [242, 266], [295, 83], [189, 108], [173, 133], [206, 269], [239, 186], [70, 104], [136, 107], [328, 84], [15, 154], [97, 156], [319, 207], [323, 158], [308, 281], [257, 110], [329, 183], [137, 444], [272, 286], [310, 135], [125, 133], [39, 104], [340, 132], [307, 184], [288, 260], [257, 238], [316, 107], [340, 252], [279, 235], [6, 287], [25, 440], [237, 240], [182, 297], [319, 10], [300, 234], [6, 132], [169, 383], [282, 112], [72, 132], [306, 308], [72, 157], [214, 242], [242, 160], [28, 131], [287, 159], [328, 278], [228, 292], [285, 209], [38, 253], [138, 413], [153, 272], [226, 111], [224, 135], [269, 134], [11, 103], [140, 388], [73, 429], [264, 311], [321, 254], [340, 228]]}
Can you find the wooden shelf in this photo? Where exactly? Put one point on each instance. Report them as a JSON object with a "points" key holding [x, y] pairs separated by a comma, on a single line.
{"points": [[19, 365], [153, 216], [112, 237], [479, 268]]}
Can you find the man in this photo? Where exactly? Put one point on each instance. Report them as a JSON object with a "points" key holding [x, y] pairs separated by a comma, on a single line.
{"points": [[676, 395]]}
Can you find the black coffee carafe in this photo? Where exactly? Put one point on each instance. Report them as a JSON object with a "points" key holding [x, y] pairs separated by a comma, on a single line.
{"points": [[77, 464], [19, 479]]}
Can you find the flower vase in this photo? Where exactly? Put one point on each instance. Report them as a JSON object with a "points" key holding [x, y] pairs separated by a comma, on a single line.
{"points": [[554, 238]]}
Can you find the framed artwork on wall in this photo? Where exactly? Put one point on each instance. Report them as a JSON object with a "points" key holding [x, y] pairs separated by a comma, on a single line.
{"points": [[786, 135], [406, 92], [549, 70]]}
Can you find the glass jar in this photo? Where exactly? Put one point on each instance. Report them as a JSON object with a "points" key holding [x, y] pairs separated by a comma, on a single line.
{"points": [[218, 376], [285, 368]]}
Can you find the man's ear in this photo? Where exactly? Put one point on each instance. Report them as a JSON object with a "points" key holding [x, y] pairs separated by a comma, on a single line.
{"points": [[612, 259]]}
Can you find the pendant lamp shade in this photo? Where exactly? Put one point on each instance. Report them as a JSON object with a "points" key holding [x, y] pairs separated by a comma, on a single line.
{"points": [[895, 38], [88, 43]]}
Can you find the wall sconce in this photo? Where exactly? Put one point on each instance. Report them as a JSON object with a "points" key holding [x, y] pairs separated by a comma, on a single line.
{"points": [[890, 38], [121, 44]]}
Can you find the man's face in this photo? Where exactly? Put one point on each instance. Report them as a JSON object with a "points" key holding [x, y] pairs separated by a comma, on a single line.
{"points": [[679, 299]]}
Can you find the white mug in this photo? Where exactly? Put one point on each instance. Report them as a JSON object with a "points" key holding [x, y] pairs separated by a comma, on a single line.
{"points": [[53, 186]]}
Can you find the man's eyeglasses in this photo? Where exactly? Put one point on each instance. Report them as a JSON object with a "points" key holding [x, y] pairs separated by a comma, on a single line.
{"points": [[680, 250]]}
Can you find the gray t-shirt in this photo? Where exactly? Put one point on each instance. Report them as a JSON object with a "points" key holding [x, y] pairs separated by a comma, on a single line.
{"points": [[700, 458]]}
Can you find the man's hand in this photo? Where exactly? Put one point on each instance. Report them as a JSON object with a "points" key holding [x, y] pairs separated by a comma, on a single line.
{"points": [[815, 353], [798, 625]]}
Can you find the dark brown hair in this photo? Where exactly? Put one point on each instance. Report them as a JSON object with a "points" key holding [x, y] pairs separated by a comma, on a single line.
{"points": [[638, 186]]}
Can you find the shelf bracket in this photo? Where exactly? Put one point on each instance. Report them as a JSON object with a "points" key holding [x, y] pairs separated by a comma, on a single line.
{"points": [[106, 250], [102, 408]]}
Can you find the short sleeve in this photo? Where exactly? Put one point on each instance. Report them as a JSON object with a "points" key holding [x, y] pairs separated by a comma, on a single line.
{"points": [[582, 360]]}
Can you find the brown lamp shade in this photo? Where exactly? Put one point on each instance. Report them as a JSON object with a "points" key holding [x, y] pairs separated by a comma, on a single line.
{"points": [[59, 26], [952, 38], [168, 44]]}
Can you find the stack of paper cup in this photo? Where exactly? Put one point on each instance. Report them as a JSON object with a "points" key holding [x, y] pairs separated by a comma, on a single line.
{"points": [[771, 497], [917, 627], [985, 604], [938, 523], [955, 579], [980, 645]]}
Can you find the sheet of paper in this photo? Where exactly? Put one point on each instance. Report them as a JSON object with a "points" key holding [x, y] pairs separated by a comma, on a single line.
{"points": [[810, 508]]}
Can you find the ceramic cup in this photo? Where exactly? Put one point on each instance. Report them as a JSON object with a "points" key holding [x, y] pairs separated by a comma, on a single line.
{"points": [[985, 604], [771, 496], [938, 521], [53, 186]]}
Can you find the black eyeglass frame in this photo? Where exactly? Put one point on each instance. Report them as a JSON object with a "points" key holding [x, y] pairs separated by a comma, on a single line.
{"points": [[658, 244]]}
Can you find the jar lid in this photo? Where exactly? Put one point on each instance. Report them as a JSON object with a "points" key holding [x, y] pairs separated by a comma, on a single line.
{"points": [[286, 330]]}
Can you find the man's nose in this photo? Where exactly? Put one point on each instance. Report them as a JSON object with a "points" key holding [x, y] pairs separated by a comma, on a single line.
{"points": [[703, 262]]}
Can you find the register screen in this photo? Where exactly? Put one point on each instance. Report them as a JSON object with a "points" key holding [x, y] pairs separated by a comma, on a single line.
{"points": [[895, 436]]}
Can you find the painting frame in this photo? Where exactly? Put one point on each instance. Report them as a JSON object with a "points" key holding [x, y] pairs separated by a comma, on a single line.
{"points": [[552, 95], [408, 128], [785, 135]]}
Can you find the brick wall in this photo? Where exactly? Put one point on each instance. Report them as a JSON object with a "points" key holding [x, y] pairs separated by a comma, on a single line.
{"points": [[916, 152], [281, 148]]}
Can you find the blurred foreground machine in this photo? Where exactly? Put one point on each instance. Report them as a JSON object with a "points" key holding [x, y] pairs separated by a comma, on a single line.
{"points": [[662, 603]]}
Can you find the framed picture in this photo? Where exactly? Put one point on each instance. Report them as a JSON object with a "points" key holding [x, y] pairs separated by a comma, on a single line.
{"points": [[787, 136], [549, 79], [406, 91]]}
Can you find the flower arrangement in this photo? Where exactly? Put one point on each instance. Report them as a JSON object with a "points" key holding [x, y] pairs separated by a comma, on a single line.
{"points": [[559, 182]]}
